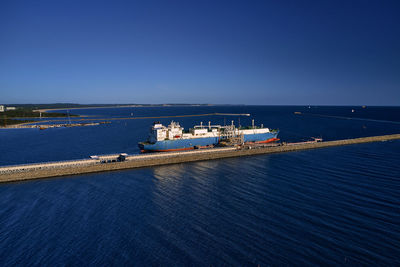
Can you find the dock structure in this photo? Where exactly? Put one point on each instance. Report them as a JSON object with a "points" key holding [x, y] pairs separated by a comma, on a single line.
{"points": [[123, 161]]}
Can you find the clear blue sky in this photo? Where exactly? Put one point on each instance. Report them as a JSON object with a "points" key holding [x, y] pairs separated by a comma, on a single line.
{"points": [[226, 52]]}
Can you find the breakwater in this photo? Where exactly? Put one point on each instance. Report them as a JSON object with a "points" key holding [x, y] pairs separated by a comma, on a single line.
{"points": [[123, 161]]}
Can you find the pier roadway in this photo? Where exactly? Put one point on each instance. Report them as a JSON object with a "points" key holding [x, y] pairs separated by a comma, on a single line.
{"points": [[123, 161]]}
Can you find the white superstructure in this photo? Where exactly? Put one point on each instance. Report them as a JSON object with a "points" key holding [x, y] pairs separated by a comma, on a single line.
{"points": [[174, 131]]}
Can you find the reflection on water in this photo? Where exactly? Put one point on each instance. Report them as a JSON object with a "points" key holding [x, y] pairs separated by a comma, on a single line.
{"points": [[331, 206], [166, 173]]}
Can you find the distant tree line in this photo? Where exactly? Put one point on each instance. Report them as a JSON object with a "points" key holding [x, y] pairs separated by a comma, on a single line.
{"points": [[27, 112]]}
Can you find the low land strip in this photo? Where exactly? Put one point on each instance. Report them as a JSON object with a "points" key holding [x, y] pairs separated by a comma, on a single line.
{"points": [[22, 116]]}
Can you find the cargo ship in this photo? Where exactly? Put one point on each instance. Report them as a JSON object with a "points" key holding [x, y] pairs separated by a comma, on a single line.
{"points": [[174, 138]]}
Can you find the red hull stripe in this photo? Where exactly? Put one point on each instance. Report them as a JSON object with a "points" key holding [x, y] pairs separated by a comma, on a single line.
{"points": [[190, 148], [267, 141], [168, 150]]}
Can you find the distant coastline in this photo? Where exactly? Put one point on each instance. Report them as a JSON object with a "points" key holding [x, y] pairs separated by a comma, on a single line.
{"points": [[24, 113], [20, 115], [118, 106]]}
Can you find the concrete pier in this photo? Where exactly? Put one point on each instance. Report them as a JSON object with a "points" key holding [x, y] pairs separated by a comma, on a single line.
{"points": [[123, 161]]}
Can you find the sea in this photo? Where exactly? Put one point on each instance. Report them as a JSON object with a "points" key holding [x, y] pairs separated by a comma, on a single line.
{"points": [[330, 206]]}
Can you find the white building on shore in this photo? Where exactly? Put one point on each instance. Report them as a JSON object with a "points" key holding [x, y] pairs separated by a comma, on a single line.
{"points": [[1, 108]]}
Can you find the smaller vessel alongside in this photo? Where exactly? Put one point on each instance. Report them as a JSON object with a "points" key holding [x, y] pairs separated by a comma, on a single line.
{"points": [[174, 138]]}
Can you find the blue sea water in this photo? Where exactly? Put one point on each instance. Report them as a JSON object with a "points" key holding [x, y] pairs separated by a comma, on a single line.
{"points": [[333, 206]]}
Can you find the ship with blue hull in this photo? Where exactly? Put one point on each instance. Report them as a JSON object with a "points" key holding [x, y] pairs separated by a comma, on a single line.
{"points": [[174, 138]]}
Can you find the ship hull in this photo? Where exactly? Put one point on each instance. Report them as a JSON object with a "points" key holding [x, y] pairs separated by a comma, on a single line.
{"points": [[188, 144]]}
